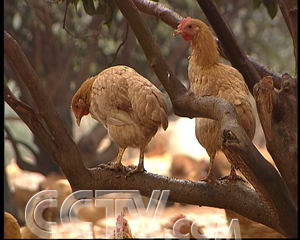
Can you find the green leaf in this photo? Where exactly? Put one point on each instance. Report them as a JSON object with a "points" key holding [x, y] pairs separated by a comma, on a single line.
{"points": [[101, 8], [110, 11], [272, 7], [89, 7], [256, 3], [75, 3]]}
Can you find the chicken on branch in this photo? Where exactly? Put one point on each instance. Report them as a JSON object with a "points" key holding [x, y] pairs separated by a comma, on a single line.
{"points": [[208, 77], [127, 104]]}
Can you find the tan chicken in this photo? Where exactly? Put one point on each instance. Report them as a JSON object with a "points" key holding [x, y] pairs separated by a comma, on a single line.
{"points": [[127, 104], [11, 227], [208, 77], [122, 228]]}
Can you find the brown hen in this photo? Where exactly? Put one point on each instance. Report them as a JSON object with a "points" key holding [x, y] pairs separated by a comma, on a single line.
{"points": [[127, 104], [11, 227], [122, 229], [208, 77]]}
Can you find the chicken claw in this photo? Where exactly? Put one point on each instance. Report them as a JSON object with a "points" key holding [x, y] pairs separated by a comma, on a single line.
{"points": [[140, 168], [134, 171], [232, 176], [114, 166]]}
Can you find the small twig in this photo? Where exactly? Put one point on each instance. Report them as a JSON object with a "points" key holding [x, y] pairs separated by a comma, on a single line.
{"points": [[21, 163], [65, 15], [26, 145], [29, 117], [121, 44]]}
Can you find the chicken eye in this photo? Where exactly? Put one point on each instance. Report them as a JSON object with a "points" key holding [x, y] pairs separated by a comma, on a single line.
{"points": [[190, 26]]}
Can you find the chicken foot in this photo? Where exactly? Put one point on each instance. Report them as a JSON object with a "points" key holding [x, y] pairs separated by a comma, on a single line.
{"points": [[232, 176], [210, 175], [117, 165], [140, 167]]}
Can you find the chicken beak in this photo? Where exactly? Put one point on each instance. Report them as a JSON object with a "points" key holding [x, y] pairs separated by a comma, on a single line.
{"points": [[176, 32], [78, 121]]}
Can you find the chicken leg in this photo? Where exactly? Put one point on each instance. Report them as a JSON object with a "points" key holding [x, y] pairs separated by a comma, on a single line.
{"points": [[140, 167], [117, 164], [210, 175]]}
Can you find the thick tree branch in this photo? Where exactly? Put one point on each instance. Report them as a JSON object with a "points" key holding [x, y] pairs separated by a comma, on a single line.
{"points": [[186, 104], [60, 142], [160, 11], [289, 10], [172, 19], [235, 196]]}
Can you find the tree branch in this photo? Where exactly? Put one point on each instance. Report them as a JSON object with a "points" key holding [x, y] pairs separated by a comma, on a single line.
{"points": [[187, 104], [235, 196], [160, 11], [26, 145], [120, 46], [289, 10], [28, 115], [278, 116], [21, 163]]}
